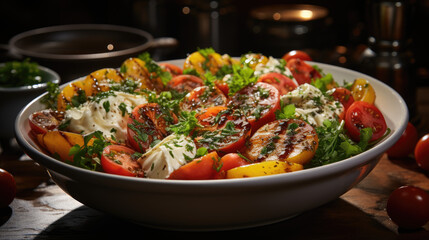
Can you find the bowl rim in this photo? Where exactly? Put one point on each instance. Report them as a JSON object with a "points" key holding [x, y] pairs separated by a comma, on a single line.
{"points": [[34, 87], [304, 175], [89, 56]]}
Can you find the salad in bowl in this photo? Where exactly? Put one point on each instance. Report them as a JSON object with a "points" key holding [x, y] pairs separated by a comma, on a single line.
{"points": [[210, 117]]}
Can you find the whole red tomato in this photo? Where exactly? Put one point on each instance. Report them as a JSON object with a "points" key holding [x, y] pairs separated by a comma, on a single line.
{"points": [[421, 152], [297, 54], [7, 188], [408, 207], [406, 143]]}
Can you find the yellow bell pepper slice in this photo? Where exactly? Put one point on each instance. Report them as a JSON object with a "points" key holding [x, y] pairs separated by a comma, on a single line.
{"points": [[263, 169]]}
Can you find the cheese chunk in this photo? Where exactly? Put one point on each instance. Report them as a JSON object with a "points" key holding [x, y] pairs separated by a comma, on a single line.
{"points": [[108, 115], [311, 105], [168, 155]]}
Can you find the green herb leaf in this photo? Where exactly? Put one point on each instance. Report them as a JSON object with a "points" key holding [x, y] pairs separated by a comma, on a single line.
{"points": [[16, 74], [241, 77], [187, 122]]}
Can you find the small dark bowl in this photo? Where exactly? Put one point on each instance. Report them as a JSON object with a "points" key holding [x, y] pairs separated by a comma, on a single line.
{"points": [[13, 99]]}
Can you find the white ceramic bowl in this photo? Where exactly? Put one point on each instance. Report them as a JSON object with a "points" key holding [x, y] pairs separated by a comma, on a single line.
{"points": [[220, 204]]}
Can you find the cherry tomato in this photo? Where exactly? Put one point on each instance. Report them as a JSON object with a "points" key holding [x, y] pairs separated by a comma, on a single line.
{"points": [[148, 124], [259, 102], [229, 161], [406, 143], [222, 129], [253, 59], [280, 81], [185, 83], [202, 63], [408, 207], [421, 152], [362, 90], [202, 168], [171, 68], [343, 95], [7, 188], [119, 160], [203, 97], [301, 71], [43, 121], [362, 115], [296, 54], [283, 140]]}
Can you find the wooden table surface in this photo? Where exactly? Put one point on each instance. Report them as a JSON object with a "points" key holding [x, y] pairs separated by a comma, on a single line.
{"points": [[41, 210]]}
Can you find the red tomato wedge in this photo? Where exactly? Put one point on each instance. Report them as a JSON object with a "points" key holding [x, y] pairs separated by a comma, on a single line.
{"points": [[202, 168], [280, 81], [343, 95], [302, 71], [203, 97], [259, 102], [43, 121], [223, 86], [283, 140], [222, 129], [171, 68], [185, 83], [148, 124], [362, 115], [119, 160], [229, 161]]}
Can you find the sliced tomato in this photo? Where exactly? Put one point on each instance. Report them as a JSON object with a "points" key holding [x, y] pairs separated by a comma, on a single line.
{"points": [[227, 162], [203, 97], [342, 95], [202, 168], [120, 160], [222, 129], [171, 68], [280, 81], [362, 90], [296, 54], [259, 102], [148, 124], [185, 83], [292, 140], [223, 86], [362, 115], [302, 71], [45, 120]]}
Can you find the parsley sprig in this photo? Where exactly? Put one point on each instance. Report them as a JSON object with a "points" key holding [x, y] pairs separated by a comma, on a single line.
{"points": [[88, 156], [154, 68], [335, 145], [242, 76], [187, 122]]}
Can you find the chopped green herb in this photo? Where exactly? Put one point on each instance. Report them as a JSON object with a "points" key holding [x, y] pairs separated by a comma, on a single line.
{"points": [[241, 77], [16, 74]]}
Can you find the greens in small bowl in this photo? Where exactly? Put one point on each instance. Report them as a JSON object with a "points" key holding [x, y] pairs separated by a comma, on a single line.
{"points": [[20, 82]]}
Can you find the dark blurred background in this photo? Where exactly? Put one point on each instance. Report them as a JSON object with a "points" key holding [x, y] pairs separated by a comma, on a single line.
{"points": [[356, 34]]}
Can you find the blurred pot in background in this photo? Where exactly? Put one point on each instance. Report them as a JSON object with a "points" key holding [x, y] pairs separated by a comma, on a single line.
{"points": [[77, 50], [277, 29]]}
